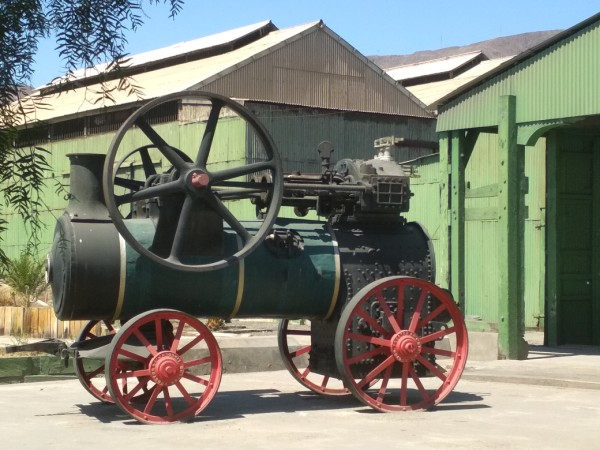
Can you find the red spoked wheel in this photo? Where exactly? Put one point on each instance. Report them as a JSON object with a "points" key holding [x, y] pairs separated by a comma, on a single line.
{"points": [[401, 344], [89, 373], [172, 357], [297, 337]]}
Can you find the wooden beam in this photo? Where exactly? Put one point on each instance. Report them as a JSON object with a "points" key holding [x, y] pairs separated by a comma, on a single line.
{"points": [[551, 336], [443, 259], [511, 307], [596, 243], [458, 163]]}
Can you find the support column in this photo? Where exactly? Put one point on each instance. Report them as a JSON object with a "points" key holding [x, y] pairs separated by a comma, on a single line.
{"points": [[596, 244], [510, 235], [443, 260], [551, 336], [458, 161]]}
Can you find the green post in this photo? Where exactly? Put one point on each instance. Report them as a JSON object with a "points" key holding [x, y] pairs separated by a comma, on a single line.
{"points": [[596, 244], [443, 260], [552, 276], [458, 160], [510, 261]]}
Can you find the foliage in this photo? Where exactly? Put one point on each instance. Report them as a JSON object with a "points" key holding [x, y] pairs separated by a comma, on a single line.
{"points": [[88, 32], [26, 276]]}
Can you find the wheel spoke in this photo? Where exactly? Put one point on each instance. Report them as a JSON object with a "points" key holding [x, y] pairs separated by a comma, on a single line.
{"points": [[131, 355], [147, 163], [179, 241], [161, 144], [196, 379], [197, 362], [236, 172], [209, 133], [168, 402], [404, 383], [417, 380], [366, 355], [178, 334], [371, 321], [437, 335], [298, 332], [400, 302], [438, 351], [417, 313], [142, 384], [94, 373], [436, 312], [133, 374], [370, 339], [188, 398], [366, 381], [190, 344], [145, 342], [325, 382], [161, 190], [159, 334], [388, 313], [152, 400], [133, 185], [300, 351], [433, 369], [228, 217], [384, 383]]}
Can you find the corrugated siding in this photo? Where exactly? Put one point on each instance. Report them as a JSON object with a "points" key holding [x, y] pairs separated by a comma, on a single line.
{"points": [[321, 71], [426, 207], [535, 234], [298, 131], [481, 232], [560, 81], [228, 147]]}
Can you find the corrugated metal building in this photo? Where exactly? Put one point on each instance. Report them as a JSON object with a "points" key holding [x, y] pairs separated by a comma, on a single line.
{"points": [[522, 144], [305, 83]]}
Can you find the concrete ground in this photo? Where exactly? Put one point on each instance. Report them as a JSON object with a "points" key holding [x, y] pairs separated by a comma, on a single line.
{"points": [[269, 410], [551, 401]]}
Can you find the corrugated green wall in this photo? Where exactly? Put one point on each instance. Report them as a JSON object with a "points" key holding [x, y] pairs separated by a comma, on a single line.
{"points": [[427, 207], [228, 146], [560, 81], [296, 132], [481, 231]]}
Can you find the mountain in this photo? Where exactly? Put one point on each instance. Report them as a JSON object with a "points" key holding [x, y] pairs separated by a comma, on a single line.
{"points": [[493, 48]]}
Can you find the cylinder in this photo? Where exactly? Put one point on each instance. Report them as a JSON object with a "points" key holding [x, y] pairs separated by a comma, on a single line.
{"points": [[96, 275]]}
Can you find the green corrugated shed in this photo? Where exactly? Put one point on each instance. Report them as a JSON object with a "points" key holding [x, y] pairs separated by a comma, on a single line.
{"points": [[523, 147]]}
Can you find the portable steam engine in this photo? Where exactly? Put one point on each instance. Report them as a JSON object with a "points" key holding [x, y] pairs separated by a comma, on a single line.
{"points": [[152, 248]]}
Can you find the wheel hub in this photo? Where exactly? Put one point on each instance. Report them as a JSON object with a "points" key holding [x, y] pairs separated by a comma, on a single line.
{"points": [[406, 346], [166, 368], [200, 180]]}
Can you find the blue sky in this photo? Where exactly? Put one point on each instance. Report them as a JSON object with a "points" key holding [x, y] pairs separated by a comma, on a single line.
{"points": [[373, 27]]}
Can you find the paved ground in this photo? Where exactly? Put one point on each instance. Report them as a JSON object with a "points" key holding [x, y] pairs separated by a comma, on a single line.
{"points": [[551, 401], [269, 410]]}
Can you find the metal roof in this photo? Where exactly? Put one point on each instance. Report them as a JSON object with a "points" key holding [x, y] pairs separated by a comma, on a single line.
{"points": [[439, 66], [172, 51], [154, 83], [552, 81], [530, 53], [429, 93], [194, 74]]}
